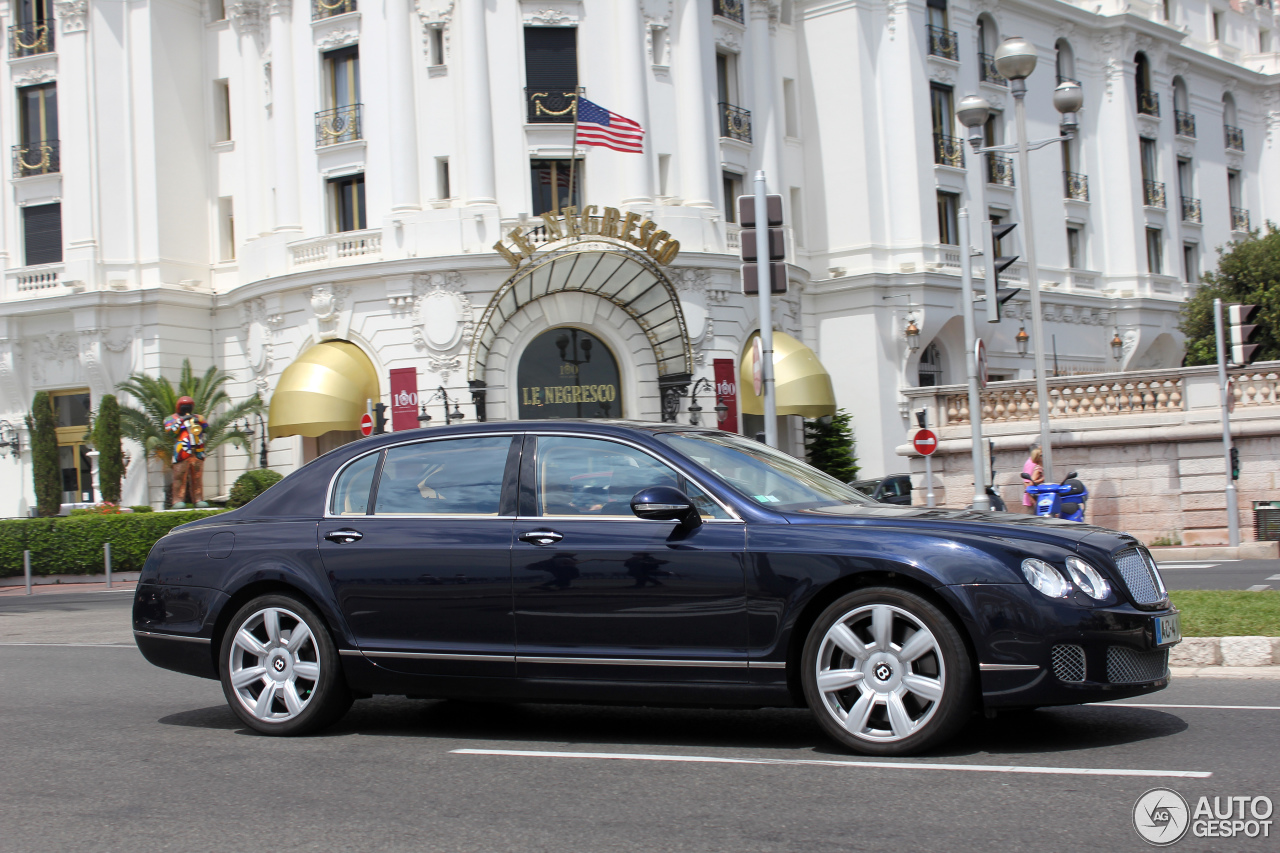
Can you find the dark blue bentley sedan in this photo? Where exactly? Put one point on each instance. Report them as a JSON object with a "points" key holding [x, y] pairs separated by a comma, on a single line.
{"points": [[642, 563]]}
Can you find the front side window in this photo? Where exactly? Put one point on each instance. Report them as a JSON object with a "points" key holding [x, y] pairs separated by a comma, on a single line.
{"points": [[461, 476]]}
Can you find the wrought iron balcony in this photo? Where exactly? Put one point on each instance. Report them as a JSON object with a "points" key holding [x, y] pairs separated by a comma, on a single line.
{"points": [[30, 39], [1076, 186], [948, 150], [735, 122], [338, 125], [329, 8], [1184, 124], [1153, 194], [943, 43], [1149, 104], [36, 158], [987, 70], [1239, 219], [1234, 137], [999, 169], [1190, 209], [731, 9], [550, 104]]}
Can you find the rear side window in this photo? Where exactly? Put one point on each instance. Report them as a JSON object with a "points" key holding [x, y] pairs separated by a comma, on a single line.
{"points": [[351, 497], [460, 476]]}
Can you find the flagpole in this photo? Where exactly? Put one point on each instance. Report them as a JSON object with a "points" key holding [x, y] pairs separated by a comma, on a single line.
{"points": [[573, 150]]}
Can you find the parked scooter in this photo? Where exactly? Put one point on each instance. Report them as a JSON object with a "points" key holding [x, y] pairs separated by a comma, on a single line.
{"points": [[1062, 500]]}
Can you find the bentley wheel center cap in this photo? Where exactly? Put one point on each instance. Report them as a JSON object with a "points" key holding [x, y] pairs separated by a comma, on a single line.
{"points": [[883, 672], [279, 665]]}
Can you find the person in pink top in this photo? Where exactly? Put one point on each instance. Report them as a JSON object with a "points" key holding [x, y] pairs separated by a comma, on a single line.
{"points": [[1032, 467]]}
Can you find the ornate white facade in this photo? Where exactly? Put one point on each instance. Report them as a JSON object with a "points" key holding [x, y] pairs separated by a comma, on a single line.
{"points": [[200, 164]]}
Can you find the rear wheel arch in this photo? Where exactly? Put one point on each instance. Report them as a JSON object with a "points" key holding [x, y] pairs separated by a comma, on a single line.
{"points": [[251, 591]]}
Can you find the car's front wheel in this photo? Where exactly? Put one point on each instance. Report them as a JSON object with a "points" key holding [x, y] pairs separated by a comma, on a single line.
{"points": [[279, 668], [886, 673]]}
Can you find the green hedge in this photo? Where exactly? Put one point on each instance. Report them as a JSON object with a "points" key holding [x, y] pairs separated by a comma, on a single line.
{"points": [[73, 545]]}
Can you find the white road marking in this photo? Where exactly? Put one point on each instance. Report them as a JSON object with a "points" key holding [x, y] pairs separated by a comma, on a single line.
{"points": [[78, 645], [1274, 578], [1175, 566], [1206, 707], [809, 762], [1259, 587]]}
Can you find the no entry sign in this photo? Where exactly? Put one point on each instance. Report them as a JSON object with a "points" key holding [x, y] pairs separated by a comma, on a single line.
{"points": [[925, 442], [366, 424]]}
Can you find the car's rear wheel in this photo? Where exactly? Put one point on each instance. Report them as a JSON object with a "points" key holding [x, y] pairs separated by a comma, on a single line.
{"points": [[886, 673], [279, 668]]}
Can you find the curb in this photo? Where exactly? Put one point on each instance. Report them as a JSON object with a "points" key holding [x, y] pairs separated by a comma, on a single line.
{"points": [[1244, 551], [1226, 652], [1257, 673], [43, 580]]}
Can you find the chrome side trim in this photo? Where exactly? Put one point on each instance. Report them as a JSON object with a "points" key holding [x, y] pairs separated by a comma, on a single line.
{"points": [[1007, 667], [723, 664], [179, 637], [436, 656], [768, 664], [350, 653]]}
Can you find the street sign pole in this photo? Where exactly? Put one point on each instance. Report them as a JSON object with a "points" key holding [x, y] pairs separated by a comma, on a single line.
{"points": [[970, 336], [764, 287], [925, 443], [1233, 519]]}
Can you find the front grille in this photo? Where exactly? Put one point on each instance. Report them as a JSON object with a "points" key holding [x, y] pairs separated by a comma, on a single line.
{"points": [[1125, 666], [1139, 573], [1068, 662]]}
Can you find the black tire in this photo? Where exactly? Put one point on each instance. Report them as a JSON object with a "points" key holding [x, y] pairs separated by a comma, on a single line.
{"points": [[302, 670], [933, 687]]}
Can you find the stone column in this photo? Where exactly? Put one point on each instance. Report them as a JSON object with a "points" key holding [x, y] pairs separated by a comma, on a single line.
{"points": [[693, 66], [477, 108], [284, 118], [633, 102], [766, 130], [402, 24], [75, 83], [246, 18]]}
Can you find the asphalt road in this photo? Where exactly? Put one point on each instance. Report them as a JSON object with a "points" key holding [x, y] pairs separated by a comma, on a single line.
{"points": [[103, 752], [1221, 574]]}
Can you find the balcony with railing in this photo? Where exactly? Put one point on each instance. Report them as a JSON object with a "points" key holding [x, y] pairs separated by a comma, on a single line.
{"points": [[35, 281], [1184, 124], [943, 43], [550, 104], [30, 39], [1191, 209], [735, 122], [1149, 104], [1234, 137], [1076, 186], [330, 8], [731, 9], [338, 125], [1153, 194], [1239, 219], [36, 158], [348, 247], [987, 71], [999, 169], [948, 150]]}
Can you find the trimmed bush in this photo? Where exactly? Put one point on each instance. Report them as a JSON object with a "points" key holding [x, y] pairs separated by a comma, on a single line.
{"points": [[141, 508], [250, 484], [46, 472], [106, 438], [73, 545]]}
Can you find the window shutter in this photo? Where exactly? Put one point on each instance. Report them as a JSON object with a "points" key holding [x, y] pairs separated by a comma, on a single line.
{"points": [[42, 227], [551, 57]]}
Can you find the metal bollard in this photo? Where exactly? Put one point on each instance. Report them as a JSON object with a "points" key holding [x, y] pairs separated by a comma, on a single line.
{"points": [[26, 569], [106, 554]]}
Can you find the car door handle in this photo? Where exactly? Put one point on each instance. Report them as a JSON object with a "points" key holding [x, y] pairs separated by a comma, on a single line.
{"points": [[540, 537], [344, 537]]}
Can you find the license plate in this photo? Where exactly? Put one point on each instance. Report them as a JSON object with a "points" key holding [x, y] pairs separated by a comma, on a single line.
{"points": [[1168, 629]]}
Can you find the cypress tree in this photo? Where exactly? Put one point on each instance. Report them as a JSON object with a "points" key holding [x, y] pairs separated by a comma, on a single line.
{"points": [[830, 446], [45, 470], [106, 438]]}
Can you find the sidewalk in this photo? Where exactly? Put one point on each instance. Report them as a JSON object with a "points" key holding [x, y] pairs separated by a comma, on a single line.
{"points": [[90, 583]]}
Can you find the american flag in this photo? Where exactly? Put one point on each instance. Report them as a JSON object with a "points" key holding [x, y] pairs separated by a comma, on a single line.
{"points": [[598, 126]]}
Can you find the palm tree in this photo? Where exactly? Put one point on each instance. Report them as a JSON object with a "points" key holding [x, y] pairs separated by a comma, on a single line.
{"points": [[157, 399]]}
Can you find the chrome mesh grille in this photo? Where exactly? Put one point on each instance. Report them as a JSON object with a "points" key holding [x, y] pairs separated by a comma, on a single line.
{"points": [[1125, 666], [1068, 662], [1138, 570]]}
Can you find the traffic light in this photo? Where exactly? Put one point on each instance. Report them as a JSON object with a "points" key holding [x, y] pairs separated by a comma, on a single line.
{"points": [[1241, 330], [777, 250], [992, 234], [379, 418], [1235, 463]]}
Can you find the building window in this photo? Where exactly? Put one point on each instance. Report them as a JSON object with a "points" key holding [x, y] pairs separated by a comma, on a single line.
{"points": [[1075, 247], [786, 12], [1218, 29], [1155, 251], [1148, 101], [791, 107], [664, 175], [37, 152], [226, 229], [948, 150], [437, 45], [731, 182], [660, 38], [71, 420], [32, 31], [948, 228], [551, 73], [329, 8], [42, 234], [546, 174], [217, 10], [221, 111], [1264, 41], [797, 216], [443, 188], [346, 199], [1190, 263], [930, 369], [341, 121]]}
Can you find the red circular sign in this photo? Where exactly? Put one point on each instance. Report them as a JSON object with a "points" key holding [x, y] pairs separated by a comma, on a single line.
{"points": [[925, 442], [366, 424]]}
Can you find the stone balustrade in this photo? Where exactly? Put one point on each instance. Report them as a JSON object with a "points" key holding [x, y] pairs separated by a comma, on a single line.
{"points": [[345, 247]]}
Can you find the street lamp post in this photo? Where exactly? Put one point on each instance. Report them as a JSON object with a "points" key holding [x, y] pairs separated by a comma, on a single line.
{"points": [[695, 411]]}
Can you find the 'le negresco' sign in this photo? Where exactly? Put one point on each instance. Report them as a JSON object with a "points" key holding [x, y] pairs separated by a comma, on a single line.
{"points": [[628, 227]]}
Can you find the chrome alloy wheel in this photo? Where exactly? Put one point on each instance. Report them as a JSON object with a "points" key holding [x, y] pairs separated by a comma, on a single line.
{"points": [[880, 673], [274, 665]]}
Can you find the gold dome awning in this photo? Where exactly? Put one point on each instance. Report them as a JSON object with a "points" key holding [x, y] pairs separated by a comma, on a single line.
{"points": [[326, 388], [803, 384]]}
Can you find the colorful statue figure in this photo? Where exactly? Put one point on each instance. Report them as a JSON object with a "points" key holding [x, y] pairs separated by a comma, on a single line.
{"points": [[188, 429]]}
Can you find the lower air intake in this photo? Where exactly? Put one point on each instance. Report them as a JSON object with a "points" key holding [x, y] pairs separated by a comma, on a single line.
{"points": [[1068, 662], [1125, 666]]}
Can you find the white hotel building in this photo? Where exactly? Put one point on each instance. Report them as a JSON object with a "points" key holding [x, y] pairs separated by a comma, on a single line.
{"points": [[309, 195]]}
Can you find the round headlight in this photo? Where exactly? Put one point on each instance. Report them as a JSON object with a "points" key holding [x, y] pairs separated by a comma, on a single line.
{"points": [[1044, 577], [1089, 579]]}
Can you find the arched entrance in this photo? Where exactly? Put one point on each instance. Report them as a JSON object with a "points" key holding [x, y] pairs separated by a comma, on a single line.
{"points": [[568, 373], [321, 396]]}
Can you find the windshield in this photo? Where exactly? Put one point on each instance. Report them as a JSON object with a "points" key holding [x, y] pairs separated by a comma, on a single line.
{"points": [[762, 474]]}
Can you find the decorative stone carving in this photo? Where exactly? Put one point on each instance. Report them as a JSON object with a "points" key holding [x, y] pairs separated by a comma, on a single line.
{"points": [[255, 333], [673, 387], [330, 315], [436, 15], [35, 74], [657, 12], [340, 36], [281, 7], [247, 16], [1269, 101], [692, 287], [769, 10], [443, 317], [72, 14], [11, 384], [727, 38], [893, 9], [562, 14], [52, 355], [941, 72]]}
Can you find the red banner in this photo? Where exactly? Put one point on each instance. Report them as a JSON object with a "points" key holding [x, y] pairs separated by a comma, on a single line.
{"points": [[404, 398], [727, 393]]}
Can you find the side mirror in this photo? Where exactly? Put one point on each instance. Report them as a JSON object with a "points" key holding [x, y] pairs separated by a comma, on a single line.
{"points": [[663, 503], [1026, 476]]}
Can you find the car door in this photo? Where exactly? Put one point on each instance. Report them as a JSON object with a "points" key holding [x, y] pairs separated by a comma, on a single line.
{"points": [[417, 545], [602, 594]]}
